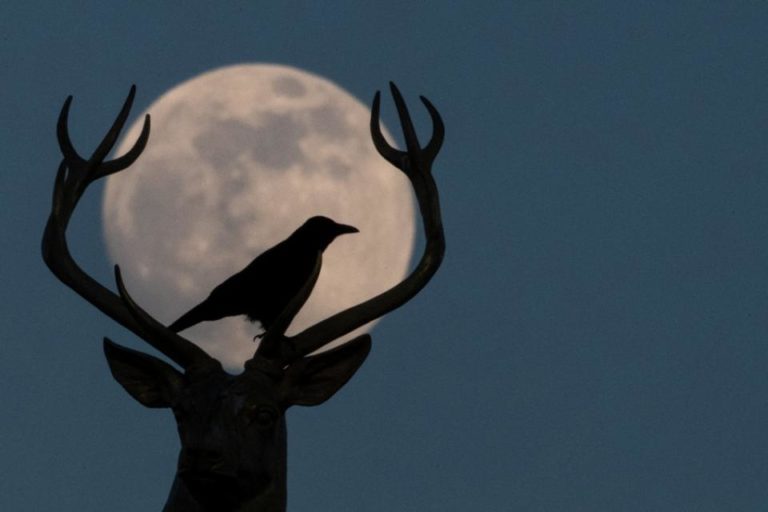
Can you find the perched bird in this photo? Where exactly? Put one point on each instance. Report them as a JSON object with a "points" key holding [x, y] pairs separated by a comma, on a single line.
{"points": [[263, 288]]}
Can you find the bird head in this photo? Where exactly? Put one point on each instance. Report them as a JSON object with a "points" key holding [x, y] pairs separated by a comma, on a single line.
{"points": [[322, 230]]}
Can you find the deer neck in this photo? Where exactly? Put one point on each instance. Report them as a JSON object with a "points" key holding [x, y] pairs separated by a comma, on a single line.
{"points": [[181, 500]]}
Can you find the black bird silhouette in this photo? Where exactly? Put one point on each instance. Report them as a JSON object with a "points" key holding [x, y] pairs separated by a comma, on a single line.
{"points": [[263, 288]]}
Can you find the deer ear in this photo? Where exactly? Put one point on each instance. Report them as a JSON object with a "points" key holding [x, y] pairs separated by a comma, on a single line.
{"points": [[313, 380], [150, 381]]}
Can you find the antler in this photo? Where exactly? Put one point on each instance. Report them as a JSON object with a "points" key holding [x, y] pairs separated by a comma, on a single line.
{"points": [[416, 163], [75, 174], [73, 177]]}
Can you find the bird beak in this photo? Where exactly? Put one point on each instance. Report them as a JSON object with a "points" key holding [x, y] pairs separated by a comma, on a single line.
{"points": [[343, 228]]}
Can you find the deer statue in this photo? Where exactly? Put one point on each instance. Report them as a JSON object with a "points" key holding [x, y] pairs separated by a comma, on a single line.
{"points": [[232, 427]]}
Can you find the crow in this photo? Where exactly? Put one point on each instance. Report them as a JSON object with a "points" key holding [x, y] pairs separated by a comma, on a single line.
{"points": [[263, 289]]}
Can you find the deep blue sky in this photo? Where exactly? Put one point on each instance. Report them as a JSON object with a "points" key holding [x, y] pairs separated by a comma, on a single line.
{"points": [[597, 339]]}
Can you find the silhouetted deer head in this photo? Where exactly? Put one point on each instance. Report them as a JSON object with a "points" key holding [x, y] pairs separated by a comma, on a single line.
{"points": [[232, 427]]}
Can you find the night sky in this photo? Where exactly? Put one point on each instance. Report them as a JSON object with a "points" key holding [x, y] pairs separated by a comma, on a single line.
{"points": [[597, 337]]}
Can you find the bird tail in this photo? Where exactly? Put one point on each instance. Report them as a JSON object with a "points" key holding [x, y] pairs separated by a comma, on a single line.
{"points": [[188, 319]]}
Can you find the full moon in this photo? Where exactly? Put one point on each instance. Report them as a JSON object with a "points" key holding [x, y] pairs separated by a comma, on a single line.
{"points": [[238, 158]]}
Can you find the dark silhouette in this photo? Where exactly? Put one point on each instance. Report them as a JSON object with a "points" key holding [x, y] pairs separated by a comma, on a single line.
{"points": [[232, 427], [263, 289]]}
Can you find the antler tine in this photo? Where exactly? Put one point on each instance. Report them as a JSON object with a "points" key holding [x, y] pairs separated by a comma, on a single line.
{"points": [[95, 167], [438, 131], [120, 163], [173, 345], [389, 153], [58, 190], [125, 161], [62, 134], [416, 164], [409, 133], [106, 144], [394, 156]]}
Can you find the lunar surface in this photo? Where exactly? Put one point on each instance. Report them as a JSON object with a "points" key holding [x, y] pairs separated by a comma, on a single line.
{"points": [[237, 159]]}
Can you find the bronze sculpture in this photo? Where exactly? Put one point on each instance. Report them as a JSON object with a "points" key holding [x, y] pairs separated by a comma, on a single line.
{"points": [[232, 427]]}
